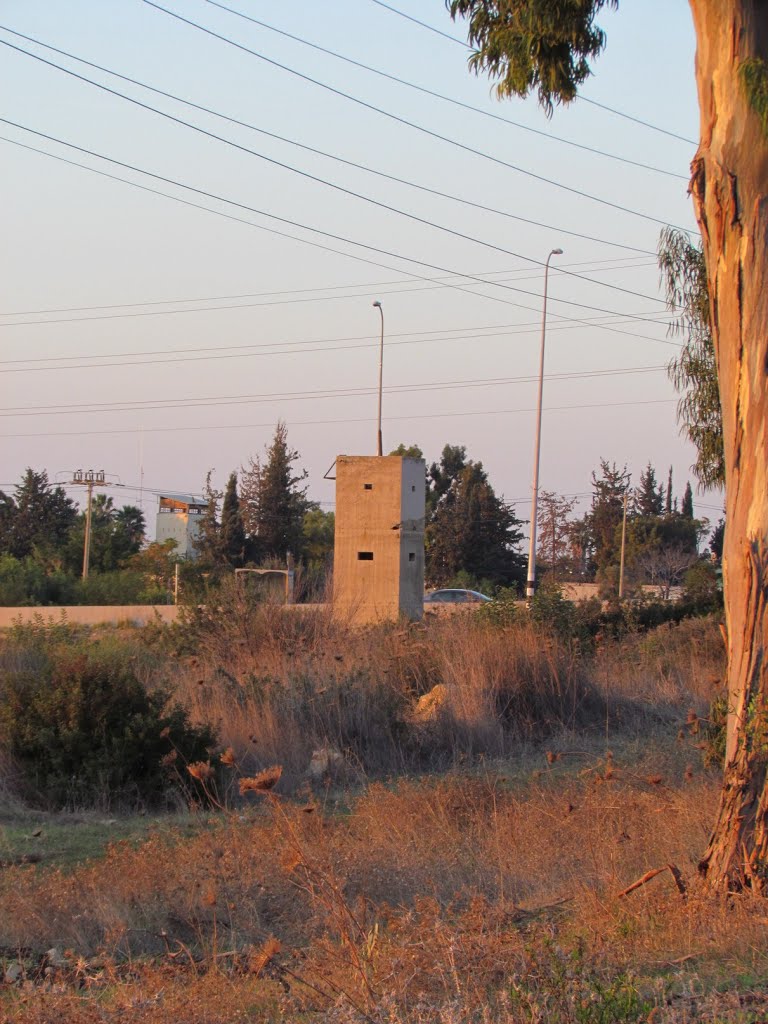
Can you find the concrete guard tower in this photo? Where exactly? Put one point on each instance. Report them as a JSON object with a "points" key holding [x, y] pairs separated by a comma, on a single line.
{"points": [[379, 544], [178, 519]]}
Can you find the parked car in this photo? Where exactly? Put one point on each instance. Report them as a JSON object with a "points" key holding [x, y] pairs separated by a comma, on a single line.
{"points": [[455, 597]]}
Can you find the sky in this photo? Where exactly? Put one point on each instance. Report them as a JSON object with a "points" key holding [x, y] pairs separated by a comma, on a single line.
{"points": [[157, 327]]}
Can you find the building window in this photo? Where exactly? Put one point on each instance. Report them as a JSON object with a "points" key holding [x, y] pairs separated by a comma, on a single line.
{"points": [[413, 488], [411, 556], [368, 487], [365, 556]]}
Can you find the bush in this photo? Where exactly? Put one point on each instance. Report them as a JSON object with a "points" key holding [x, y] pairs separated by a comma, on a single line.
{"points": [[82, 727], [25, 583], [121, 587], [702, 587]]}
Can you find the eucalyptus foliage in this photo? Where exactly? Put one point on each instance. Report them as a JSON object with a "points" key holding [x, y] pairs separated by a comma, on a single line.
{"points": [[694, 371], [546, 45]]}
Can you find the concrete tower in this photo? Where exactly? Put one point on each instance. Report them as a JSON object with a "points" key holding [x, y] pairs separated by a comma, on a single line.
{"points": [[178, 519], [378, 566]]}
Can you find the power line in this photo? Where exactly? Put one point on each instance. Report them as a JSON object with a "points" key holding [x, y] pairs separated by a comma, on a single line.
{"points": [[637, 120], [410, 124], [441, 96], [423, 24], [329, 156], [368, 285], [584, 99], [329, 234], [214, 309], [151, 405], [313, 177], [361, 419], [289, 348], [441, 335]]}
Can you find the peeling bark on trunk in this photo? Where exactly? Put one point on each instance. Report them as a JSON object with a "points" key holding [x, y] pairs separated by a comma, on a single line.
{"points": [[730, 190]]}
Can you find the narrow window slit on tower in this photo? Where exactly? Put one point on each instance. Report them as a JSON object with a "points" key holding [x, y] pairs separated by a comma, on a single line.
{"points": [[365, 556], [368, 487], [411, 556]]}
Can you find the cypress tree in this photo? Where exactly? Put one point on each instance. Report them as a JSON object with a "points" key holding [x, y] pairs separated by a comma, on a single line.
{"points": [[232, 531], [687, 507]]}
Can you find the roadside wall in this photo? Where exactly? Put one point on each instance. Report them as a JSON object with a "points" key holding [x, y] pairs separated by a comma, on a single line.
{"points": [[92, 615]]}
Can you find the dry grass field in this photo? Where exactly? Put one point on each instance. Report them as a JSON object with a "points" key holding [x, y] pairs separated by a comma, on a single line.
{"points": [[460, 809]]}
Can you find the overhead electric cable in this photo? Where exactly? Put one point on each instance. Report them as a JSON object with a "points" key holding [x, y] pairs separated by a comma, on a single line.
{"points": [[330, 156], [322, 181], [316, 345], [442, 96], [361, 419], [412, 124], [150, 405], [255, 305], [423, 188], [423, 24], [329, 234], [367, 285], [260, 351], [594, 103]]}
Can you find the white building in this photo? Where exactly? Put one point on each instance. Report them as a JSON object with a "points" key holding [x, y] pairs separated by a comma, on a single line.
{"points": [[178, 518]]}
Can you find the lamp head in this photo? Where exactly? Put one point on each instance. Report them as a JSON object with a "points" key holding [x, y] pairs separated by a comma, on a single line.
{"points": [[377, 303], [556, 252]]}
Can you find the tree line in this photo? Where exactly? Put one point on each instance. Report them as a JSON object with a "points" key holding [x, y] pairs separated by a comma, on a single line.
{"points": [[473, 536]]}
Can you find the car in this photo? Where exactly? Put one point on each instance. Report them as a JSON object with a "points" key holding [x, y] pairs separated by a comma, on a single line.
{"points": [[455, 596]]}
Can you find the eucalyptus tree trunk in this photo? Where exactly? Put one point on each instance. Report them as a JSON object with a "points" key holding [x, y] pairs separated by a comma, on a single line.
{"points": [[730, 190]]}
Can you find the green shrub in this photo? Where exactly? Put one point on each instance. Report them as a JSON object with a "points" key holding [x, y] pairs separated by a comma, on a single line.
{"points": [[505, 609], [715, 733], [558, 615], [25, 583], [83, 728], [702, 588], [116, 588]]}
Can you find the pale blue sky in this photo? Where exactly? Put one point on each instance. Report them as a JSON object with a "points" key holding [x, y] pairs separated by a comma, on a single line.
{"points": [[75, 239]]}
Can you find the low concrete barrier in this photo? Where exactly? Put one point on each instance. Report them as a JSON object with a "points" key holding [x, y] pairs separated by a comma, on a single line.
{"points": [[92, 615]]}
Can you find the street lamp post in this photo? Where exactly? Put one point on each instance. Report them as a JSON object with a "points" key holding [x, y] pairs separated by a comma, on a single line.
{"points": [[530, 589], [379, 446]]}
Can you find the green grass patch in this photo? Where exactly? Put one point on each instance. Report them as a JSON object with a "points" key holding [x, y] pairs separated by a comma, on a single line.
{"points": [[65, 841]]}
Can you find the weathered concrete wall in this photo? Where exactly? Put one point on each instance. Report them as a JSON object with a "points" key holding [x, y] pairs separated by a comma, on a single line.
{"points": [[379, 543], [585, 591], [92, 615]]}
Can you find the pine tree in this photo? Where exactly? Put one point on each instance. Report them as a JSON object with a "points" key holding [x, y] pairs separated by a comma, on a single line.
{"points": [[273, 501], [232, 533], [409, 451], [38, 518], [607, 512], [649, 496], [207, 543], [668, 503], [473, 531], [554, 530], [441, 474]]}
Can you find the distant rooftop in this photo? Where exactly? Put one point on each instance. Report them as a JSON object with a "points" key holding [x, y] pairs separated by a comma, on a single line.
{"points": [[182, 499]]}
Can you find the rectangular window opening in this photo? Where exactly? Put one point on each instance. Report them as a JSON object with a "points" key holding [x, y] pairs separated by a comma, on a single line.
{"points": [[368, 487], [413, 488], [411, 556], [365, 556]]}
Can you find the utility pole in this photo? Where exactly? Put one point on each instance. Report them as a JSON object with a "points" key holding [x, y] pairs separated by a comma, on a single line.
{"points": [[379, 444], [89, 479], [530, 588], [623, 545]]}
